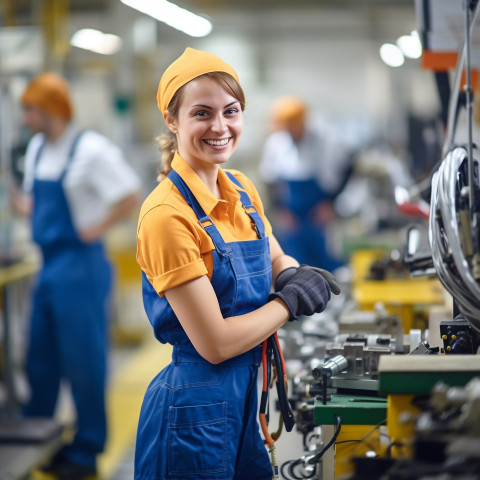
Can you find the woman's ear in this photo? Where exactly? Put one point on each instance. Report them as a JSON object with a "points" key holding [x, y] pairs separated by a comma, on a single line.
{"points": [[170, 122]]}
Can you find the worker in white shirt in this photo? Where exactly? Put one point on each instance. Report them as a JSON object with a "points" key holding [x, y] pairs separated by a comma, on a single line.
{"points": [[304, 168], [78, 185]]}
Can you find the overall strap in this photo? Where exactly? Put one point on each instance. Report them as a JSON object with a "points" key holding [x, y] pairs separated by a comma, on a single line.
{"points": [[205, 221], [39, 154], [71, 153], [249, 207]]}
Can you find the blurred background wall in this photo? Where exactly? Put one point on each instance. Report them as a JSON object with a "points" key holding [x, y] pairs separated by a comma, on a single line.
{"points": [[326, 51]]}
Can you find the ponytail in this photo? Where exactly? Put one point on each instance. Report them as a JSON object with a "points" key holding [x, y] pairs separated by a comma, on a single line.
{"points": [[167, 144]]}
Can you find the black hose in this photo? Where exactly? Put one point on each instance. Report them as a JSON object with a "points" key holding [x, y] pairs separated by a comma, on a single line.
{"points": [[320, 454]]}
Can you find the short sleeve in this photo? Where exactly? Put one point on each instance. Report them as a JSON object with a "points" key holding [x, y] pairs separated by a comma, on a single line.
{"points": [[112, 176], [168, 248]]}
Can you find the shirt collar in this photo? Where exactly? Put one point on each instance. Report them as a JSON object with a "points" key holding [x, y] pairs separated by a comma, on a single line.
{"points": [[67, 136], [203, 195]]}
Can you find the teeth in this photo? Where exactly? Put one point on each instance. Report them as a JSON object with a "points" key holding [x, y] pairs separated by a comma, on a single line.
{"points": [[218, 143]]}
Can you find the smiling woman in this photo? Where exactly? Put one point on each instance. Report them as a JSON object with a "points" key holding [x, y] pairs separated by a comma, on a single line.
{"points": [[209, 296], [208, 125]]}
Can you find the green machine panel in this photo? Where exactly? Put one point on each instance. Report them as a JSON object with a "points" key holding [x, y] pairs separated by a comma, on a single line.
{"points": [[352, 409]]}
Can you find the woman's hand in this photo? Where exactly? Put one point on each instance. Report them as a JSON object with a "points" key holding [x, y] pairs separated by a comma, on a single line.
{"points": [[306, 292]]}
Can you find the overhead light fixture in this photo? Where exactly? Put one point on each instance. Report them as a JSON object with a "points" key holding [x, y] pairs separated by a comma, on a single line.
{"points": [[173, 15], [391, 55], [410, 45], [96, 41]]}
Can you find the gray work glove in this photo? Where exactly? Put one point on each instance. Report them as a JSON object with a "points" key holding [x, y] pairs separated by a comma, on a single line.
{"points": [[305, 292], [285, 275]]}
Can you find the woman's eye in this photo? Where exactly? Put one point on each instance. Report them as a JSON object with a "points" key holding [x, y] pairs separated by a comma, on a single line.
{"points": [[231, 111], [201, 113]]}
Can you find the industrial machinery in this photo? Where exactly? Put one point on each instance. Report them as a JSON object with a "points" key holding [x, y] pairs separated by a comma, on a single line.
{"points": [[343, 388], [432, 421], [383, 404], [367, 408], [375, 399]]}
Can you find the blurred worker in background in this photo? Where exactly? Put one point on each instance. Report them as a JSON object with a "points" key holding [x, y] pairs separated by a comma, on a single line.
{"points": [[304, 169], [77, 185]]}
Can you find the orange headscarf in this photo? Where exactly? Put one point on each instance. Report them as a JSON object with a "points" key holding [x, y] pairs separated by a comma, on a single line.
{"points": [[191, 64], [49, 92], [289, 110]]}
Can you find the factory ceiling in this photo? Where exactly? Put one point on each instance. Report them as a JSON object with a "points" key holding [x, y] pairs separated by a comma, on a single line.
{"points": [[26, 12]]}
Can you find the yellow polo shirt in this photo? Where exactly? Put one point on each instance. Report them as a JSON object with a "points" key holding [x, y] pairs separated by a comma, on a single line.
{"points": [[172, 246]]}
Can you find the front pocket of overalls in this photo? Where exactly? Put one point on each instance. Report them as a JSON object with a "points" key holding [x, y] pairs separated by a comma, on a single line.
{"points": [[197, 440]]}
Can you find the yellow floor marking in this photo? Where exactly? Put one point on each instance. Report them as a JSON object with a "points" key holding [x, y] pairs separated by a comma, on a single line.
{"points": [[124, 400]]}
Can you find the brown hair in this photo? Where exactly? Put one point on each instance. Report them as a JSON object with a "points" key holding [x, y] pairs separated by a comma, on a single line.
{"points": [[167, 142]]}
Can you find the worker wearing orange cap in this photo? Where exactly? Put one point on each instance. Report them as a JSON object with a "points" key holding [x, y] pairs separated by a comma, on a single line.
{"points": [[79, 185], [208, 256], [304, 169]]}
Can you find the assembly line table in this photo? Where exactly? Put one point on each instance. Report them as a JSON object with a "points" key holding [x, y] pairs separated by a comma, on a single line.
{"points": [[10, 275], [24, 443]]}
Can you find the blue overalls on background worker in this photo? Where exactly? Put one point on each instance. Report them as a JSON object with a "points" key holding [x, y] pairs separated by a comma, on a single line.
{"points": [[208, 257], [79, 185], [304, 167]]}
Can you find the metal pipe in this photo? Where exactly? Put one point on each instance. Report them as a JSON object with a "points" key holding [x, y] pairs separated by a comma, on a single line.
{"points": [[452, 110], [468, 89]]}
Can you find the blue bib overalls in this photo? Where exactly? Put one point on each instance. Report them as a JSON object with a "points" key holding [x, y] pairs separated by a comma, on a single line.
{"points": [[68, 330], [199, 420], [307, 241]]}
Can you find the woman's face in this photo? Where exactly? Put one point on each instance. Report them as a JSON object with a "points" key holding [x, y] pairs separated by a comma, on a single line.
{"points": [[209, 123]]}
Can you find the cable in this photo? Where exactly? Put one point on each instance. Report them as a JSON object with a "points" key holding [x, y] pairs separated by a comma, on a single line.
{"points": [[388, 451], [447, 240], [456, 88], [308, 437], [319, 455], [358, 440], [292, 464], [296, 463], [282, 469], [450, 233]]}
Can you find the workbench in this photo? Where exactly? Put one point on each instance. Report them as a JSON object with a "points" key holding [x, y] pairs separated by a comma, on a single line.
{"points": [[360, 417], [24, 443]]}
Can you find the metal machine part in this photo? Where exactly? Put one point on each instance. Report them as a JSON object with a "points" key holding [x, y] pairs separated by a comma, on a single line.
{"points": [[332, 367], [424, 348], [451, 232], [349, 363], [362, 353], [445, 440], [378, 322], [462, 405], [458, 336], [454, 226]]}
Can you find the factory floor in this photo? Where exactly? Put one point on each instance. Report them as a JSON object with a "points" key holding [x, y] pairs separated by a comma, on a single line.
{"points": [[132, 367]]}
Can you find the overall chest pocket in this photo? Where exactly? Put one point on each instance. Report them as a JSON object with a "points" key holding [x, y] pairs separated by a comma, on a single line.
{"points": [[197, 440]]}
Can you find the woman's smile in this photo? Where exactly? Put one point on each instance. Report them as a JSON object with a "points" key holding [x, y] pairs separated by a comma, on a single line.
{"points": [[218, 144]]}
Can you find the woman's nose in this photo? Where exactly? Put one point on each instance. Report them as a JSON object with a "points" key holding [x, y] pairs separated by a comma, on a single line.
{"points": [[219, 123]]}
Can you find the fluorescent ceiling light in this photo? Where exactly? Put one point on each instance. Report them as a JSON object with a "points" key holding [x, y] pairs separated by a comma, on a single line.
{"points": [[391, 55], [173, 15], [96, 41], [410, 45]]}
